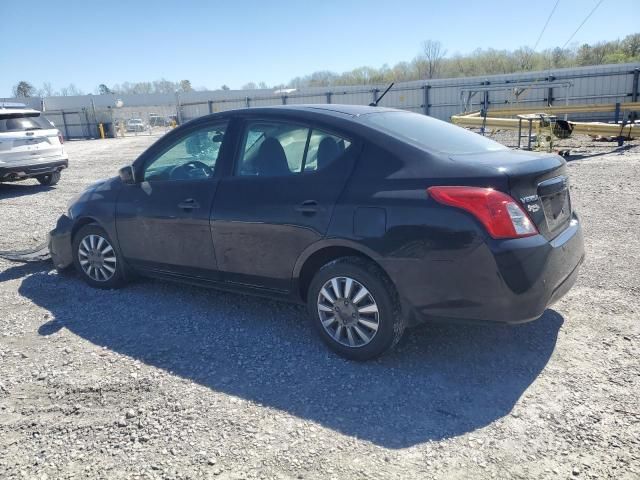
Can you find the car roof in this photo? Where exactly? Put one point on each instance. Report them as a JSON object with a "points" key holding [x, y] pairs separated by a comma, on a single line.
{"points": [[330, 109], [13, 111]]}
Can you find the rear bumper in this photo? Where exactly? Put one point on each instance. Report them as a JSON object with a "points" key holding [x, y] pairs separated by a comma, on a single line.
{"points": [[19, 171], [507, 281], [60, 243]]}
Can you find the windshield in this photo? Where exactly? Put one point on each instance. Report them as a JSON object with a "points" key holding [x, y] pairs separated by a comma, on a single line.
{"points": [[431, 134]]}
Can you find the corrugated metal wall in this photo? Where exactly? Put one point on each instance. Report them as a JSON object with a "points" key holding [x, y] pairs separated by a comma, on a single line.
{"points": [[439, 98]]}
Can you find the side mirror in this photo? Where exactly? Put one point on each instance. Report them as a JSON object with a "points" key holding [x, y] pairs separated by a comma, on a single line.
{"points": [[126, 175]]}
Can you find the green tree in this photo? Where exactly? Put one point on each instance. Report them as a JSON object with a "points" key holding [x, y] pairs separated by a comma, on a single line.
{"points": [[631, 46], [103, 89], [185, 86], [432, 62], [23, 89]]}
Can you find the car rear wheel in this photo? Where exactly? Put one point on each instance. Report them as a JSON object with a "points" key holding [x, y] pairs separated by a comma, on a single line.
{"points": [[354, 308], [96, 258], [49, 179]]}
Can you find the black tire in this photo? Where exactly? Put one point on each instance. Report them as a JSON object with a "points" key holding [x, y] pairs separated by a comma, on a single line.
{"points": [[49, 179], [117, 278], [391, 321]]}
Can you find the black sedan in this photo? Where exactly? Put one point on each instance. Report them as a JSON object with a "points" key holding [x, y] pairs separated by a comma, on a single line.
{"points": [[376, 219]]}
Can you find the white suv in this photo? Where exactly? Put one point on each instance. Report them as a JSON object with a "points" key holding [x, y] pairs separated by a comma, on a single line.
{"points": [[30, 146]]}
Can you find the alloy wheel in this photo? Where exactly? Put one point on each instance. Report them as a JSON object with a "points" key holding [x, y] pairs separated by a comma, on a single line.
{"points": [[348, 312], [97, 258]]}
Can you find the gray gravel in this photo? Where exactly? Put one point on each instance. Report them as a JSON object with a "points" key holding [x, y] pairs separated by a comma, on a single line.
{"points": [[166, 381]]}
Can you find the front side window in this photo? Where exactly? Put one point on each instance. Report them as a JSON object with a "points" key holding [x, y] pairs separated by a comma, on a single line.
{"points": [[273, 149], [192, 157]]}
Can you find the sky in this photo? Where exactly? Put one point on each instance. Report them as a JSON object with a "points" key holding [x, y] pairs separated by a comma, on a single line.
{"points": [[212, 43]]}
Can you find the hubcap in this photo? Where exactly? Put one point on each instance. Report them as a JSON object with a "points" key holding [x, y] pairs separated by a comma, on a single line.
{"points": [[97, 258], [348, 312]]}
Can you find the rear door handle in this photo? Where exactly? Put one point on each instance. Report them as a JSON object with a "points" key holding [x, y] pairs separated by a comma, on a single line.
{"points": [[308, 207], [188, 204]]}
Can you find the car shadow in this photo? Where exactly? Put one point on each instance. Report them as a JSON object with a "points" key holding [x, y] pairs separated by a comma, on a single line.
{"points": [[441, 381], [14, 190], [608, 151]]}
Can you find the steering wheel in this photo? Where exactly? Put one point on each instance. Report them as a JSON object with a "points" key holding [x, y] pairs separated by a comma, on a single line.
{"points": [[192, 169]]}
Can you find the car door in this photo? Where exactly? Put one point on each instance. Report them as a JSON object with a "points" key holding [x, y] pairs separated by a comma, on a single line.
{"points": [[278, 201], [163, 220]]}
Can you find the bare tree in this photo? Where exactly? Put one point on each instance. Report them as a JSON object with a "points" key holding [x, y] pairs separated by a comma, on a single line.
{"points": [[142, 88], [70, 90], [164, 86], [249, 86], [599, 53], [46, 90], [433, 54], [524, 58]]}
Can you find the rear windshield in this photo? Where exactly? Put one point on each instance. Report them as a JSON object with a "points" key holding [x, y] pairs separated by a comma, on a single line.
{"points": [[431, 134], [23, 122]]}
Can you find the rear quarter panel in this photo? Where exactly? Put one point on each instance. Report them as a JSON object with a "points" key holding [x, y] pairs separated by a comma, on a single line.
{"points": [[423, 246]]}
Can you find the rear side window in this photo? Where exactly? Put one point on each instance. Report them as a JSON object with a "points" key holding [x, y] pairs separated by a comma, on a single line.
{"points": [[323, 149], [23, 123], [431, 134], [273, 149]]}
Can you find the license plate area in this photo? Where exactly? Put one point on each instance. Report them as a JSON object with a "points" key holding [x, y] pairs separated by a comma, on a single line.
{"points": [[556, 202], [29, 144]]}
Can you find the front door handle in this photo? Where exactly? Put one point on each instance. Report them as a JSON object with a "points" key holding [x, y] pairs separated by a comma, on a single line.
{"points": [[188, 204], [308, 207]]}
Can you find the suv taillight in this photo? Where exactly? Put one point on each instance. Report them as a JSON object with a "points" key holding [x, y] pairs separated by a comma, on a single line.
{"points": [[60, 137], [497, 211]]}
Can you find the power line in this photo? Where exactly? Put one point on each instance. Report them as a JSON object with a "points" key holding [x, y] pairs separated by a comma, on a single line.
{"points": [[583, 22], [545, 25]]}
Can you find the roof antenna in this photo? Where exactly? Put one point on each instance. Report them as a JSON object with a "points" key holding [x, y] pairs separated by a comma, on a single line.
{"points": [[375, 104]]}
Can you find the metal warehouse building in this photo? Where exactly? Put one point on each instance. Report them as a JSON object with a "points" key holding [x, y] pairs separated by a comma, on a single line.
{"points": [[78, 116]]}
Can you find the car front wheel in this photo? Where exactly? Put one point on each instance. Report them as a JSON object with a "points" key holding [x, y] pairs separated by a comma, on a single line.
{"points": [[96, 258], [354, 308]]}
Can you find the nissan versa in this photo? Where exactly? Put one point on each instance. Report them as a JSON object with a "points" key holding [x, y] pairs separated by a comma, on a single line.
{"points": [[376, 218]]}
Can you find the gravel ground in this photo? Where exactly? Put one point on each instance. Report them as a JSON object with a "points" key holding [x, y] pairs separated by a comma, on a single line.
{"points": [[167, 381]]}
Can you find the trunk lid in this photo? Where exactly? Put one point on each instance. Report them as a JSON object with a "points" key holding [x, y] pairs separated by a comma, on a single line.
{"points": [[31, 145], [539, 182]]}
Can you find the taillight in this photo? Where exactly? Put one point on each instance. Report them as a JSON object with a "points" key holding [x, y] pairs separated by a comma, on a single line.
{"points": [[497, 211], [60, 137]]}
